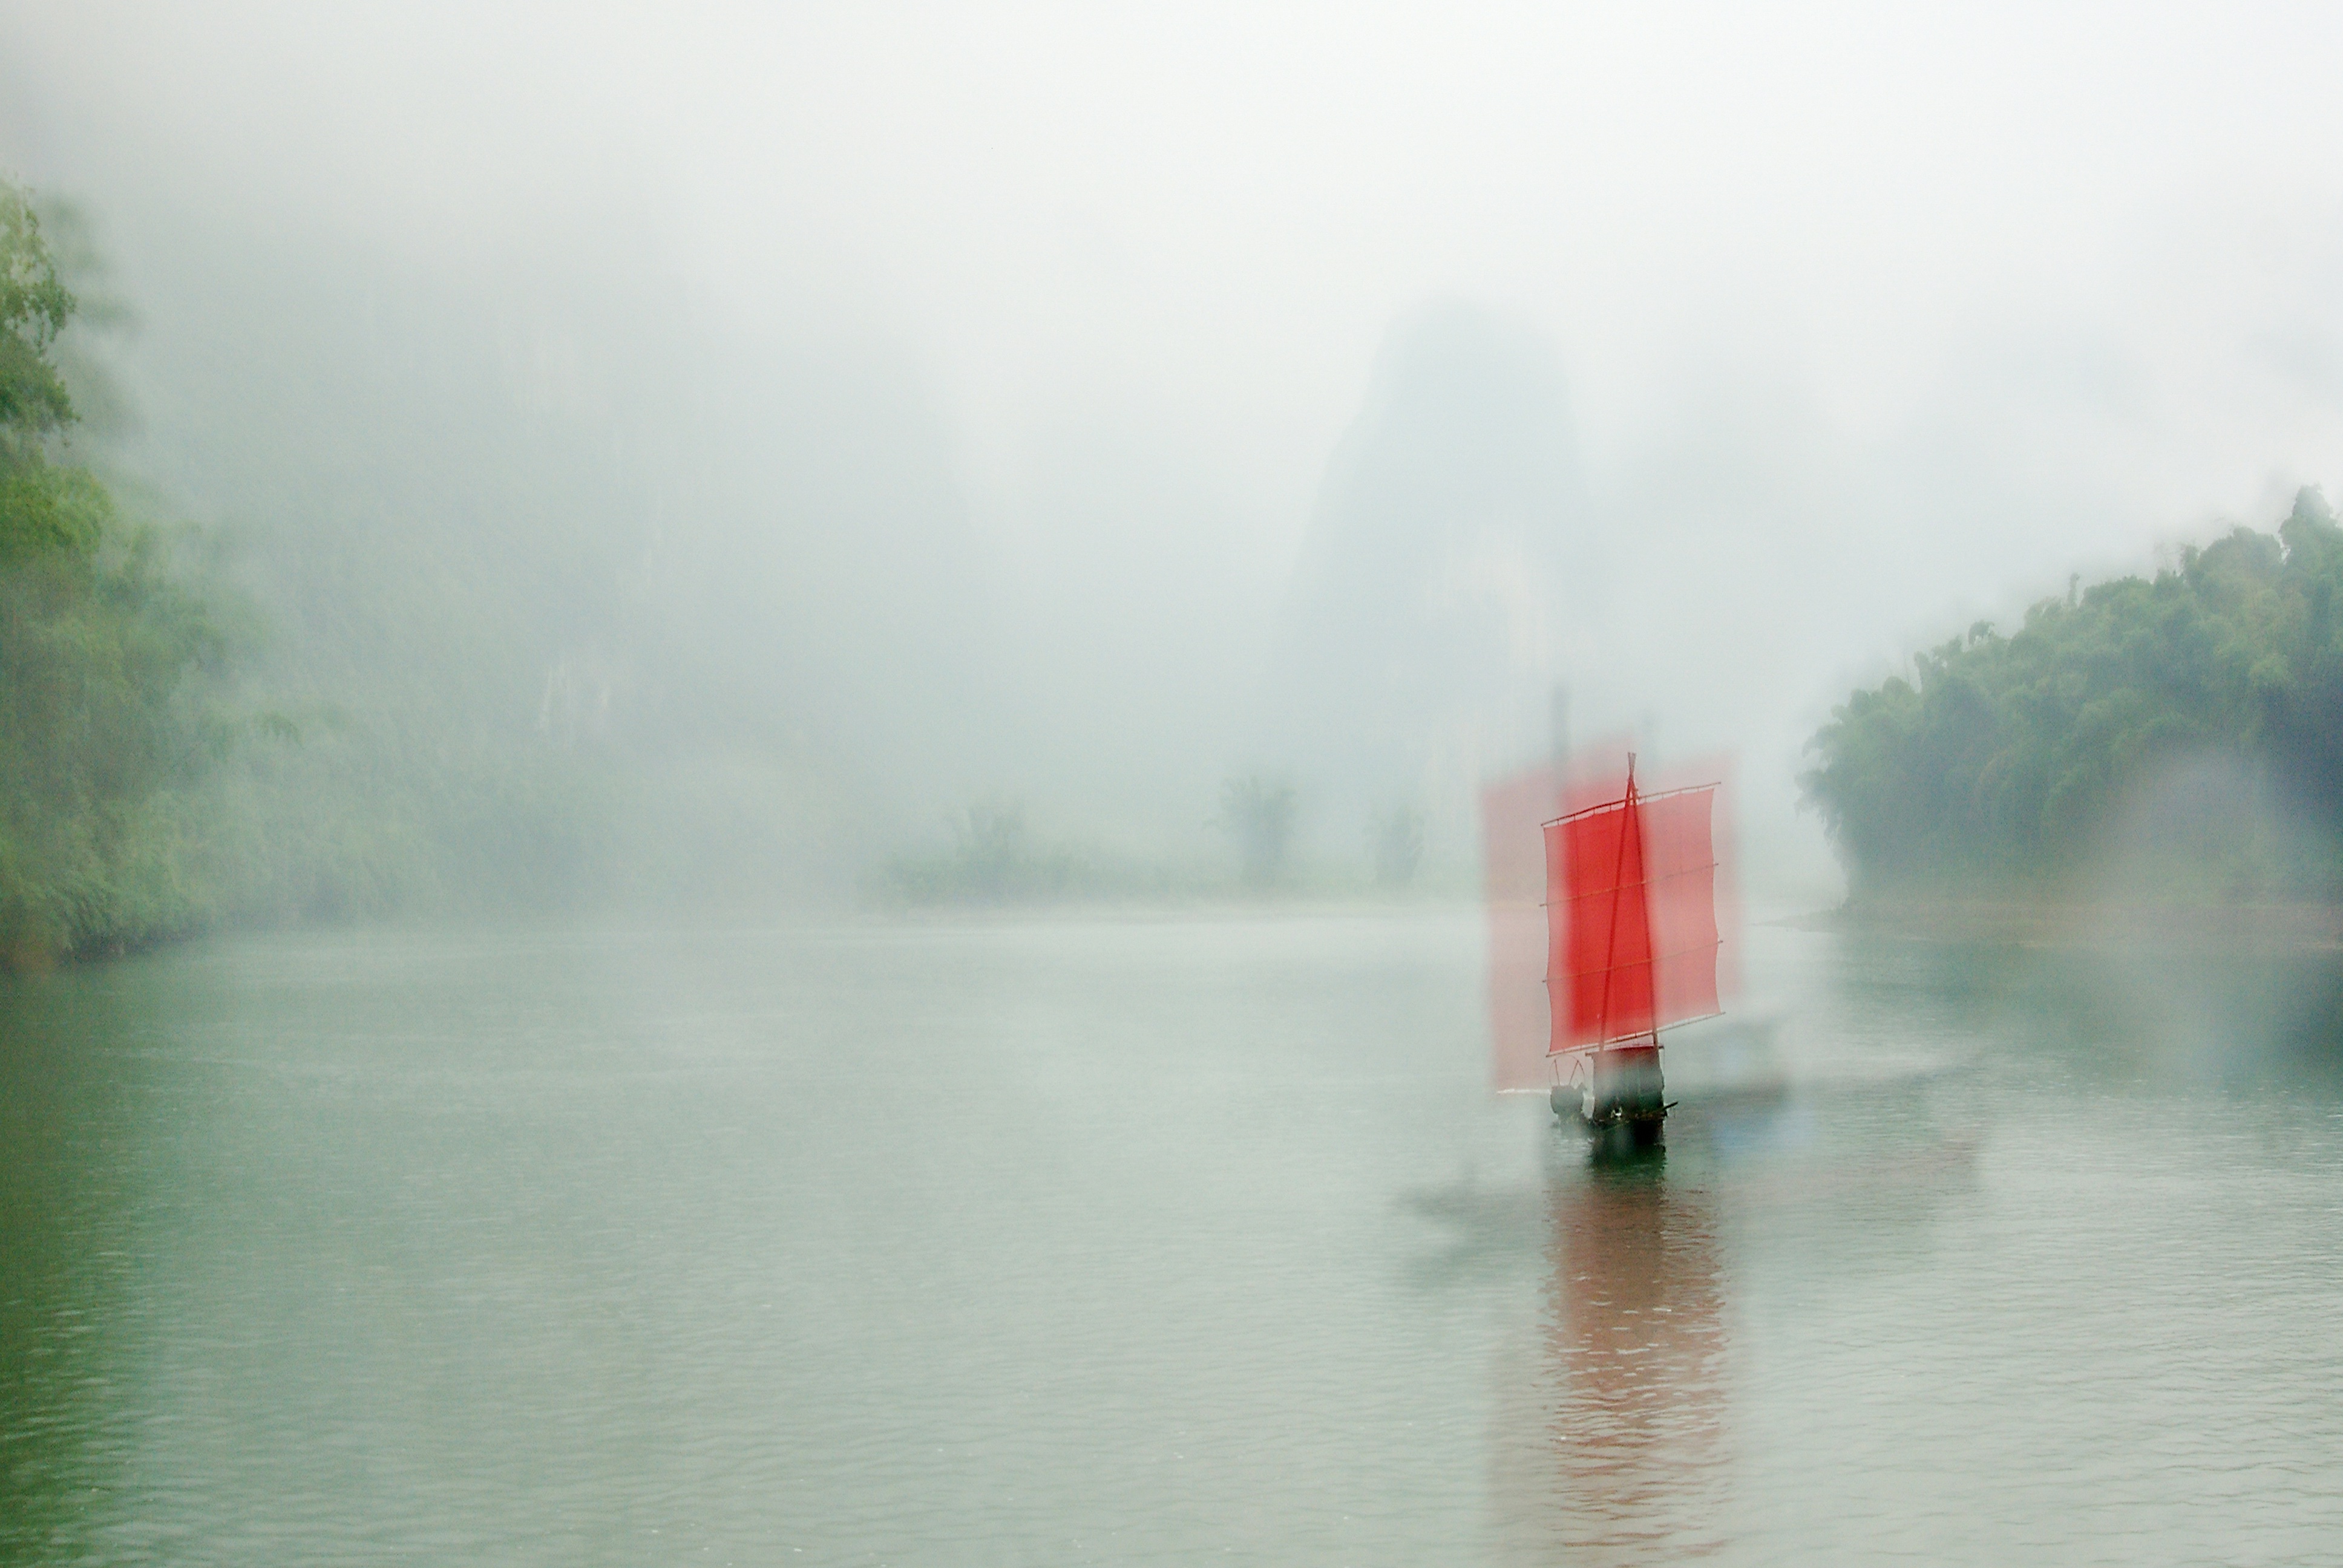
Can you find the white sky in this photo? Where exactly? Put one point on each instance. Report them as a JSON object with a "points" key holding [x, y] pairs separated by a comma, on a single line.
{"points": [[1217, 210], [1959, 295]]}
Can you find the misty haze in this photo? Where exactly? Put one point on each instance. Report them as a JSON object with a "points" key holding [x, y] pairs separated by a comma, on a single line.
{"points": [[1034, 785]]}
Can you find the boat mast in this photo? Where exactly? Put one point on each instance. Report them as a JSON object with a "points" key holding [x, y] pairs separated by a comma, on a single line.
{"points": [[1610, 936]]}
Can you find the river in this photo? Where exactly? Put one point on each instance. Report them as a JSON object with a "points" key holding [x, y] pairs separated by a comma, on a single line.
{"points": [[1152, 1238]]}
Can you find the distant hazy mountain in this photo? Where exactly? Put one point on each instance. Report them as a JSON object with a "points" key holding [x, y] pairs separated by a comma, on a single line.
{"points": [[1419, 644]]}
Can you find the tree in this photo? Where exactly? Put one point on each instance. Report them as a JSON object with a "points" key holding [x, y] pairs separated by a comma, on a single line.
{"points": [[994, 859], [105, 731], [2005, 757], [1258, 814], [34, 306], [1395, 844]]}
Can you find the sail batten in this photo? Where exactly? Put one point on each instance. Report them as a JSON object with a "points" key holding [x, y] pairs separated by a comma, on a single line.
{"points": [[1633, 938]]}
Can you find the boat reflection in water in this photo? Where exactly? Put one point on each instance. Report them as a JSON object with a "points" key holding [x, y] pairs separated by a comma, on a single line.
{"points": [[1614, 1448]]}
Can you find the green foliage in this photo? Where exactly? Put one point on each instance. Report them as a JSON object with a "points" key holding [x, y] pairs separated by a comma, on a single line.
{"points": [[107, 740], [2006, 758], [50, 514], [34, 306]]}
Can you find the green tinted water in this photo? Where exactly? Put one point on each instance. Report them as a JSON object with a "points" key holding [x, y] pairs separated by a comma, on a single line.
{"points": [[1064, 1241]]}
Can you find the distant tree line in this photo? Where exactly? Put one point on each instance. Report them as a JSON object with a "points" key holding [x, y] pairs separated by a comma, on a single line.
{"points": [[2003, 758], [995, 857], [1258, 814], [110, 722]]}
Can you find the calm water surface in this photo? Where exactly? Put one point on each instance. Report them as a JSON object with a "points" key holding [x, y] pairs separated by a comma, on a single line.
{"points": [[1152, 1239]]}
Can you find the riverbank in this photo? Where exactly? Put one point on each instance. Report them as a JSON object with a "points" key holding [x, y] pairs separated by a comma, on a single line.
{"points": [[2091, 924]]}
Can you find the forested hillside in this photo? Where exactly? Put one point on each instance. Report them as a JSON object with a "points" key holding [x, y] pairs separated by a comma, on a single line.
{"points": [[109, 726], [2004, 759]]}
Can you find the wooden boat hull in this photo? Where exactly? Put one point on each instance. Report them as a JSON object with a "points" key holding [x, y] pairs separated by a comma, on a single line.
{"points": [[1622, 1087]]}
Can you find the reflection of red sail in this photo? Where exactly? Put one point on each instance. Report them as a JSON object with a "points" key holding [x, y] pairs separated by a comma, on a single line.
{"points": [[1611, 1449], [1631, 888]]}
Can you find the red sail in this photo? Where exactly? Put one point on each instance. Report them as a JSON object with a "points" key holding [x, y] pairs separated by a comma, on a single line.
{"points": [[1631, 940], [1514, 811]]}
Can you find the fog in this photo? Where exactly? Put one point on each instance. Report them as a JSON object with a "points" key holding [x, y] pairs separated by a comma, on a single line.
{"points": [[810, 424]]}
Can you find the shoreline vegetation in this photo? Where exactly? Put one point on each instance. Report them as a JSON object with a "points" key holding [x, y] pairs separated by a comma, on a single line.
{"points": [[113, 662], [342, 699], [2148, 754], [2050, 923], [995, 858], [2174, 741]]}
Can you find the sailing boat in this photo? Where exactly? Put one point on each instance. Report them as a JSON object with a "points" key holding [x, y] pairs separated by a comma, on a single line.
{"points": [[1631, 948]]}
